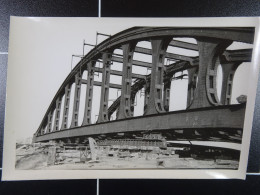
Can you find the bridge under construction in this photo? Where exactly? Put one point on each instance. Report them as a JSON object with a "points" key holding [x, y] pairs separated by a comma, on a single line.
{"points": [[207, 116]]}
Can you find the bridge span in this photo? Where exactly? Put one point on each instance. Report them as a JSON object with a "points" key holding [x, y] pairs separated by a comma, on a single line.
{"points": [[207, 116]]}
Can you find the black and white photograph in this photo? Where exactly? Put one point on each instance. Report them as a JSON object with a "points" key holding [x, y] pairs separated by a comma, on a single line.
{"points": [[129, 97]]}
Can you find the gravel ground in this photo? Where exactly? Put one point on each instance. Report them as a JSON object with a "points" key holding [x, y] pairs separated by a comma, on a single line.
{"points": [[36, 158]]}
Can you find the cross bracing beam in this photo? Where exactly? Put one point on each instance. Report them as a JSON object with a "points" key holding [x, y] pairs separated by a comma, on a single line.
{"points": [[184, 45], [231, 55], [241, 55], [168, 55], [97, 83], [135, 62], [144, 33], [119, 73], [139, 84]]}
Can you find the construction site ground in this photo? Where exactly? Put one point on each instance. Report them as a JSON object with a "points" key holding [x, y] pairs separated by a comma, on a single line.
{"points": [[30, 158]]}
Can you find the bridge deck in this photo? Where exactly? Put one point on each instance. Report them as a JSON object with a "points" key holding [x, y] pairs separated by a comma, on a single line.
{"points": [[223, 117]]}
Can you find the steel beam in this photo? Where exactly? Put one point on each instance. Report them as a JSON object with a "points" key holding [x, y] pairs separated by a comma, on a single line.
{"points": [[184, 45], [242, 55], [89, 94], [221, 117], [97, 83], [228, 70], [146, 95], [135, 62], [41, 132], [75, 114], [64, 124], [209, 50], [119, 73], [103, 114], [50, 115], [167, 55], [166, 96], [192, 80], [57, 114], [155, 103], [125, 100]]}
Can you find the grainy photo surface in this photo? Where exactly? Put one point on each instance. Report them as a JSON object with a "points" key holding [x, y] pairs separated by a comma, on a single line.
{"points": [[129, 95]]}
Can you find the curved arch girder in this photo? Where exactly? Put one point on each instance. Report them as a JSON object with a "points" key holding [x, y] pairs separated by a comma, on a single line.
{"points": [[148, 33]]}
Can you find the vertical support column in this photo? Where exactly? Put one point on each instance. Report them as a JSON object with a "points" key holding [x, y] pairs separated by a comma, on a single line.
{"points": [[192, 79], [166, 95], [103, 111], [125, 100], [75, 114], [57, 114], [155, 103], [132, 99], [209, 50], [42, 130], [39, 132], [66, 107], [89, 94], [49, 121], [228, 70], [146, 95]]}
